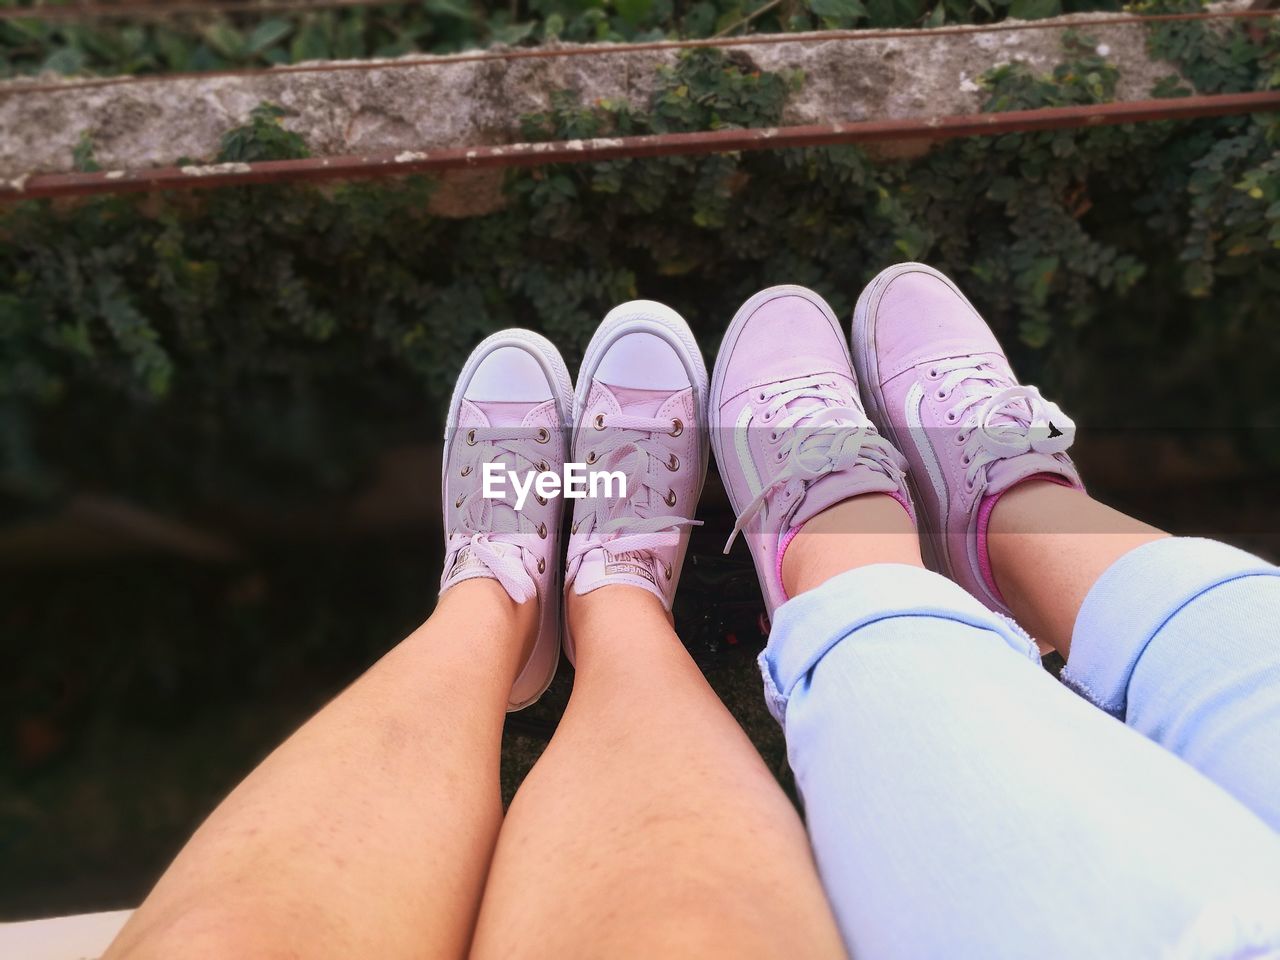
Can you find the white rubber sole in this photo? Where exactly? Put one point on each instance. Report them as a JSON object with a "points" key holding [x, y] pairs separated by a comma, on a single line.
{"points": [[547, 645], [646, 316]]}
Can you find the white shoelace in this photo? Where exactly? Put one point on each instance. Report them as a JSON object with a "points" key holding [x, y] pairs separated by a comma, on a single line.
{"points": [[1029, 423], [814, 441], [632, 446], [504, 558]]}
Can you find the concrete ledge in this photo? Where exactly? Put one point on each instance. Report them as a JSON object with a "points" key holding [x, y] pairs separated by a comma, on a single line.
{"points": [[475, 99]]}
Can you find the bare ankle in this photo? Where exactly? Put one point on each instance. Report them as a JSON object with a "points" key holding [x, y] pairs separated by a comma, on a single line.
{"points": [[873, 528], [481, 607], [1047, 545], [613, 610]]}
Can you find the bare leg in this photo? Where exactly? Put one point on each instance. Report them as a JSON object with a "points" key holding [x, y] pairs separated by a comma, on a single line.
{"points": [[368, 833], [873, 528], [650, 827], [1048, 545]]}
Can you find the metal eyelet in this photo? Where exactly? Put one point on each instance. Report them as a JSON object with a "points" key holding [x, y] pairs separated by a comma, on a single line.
{"points": [[677, 428], [542, 530], [674, 463], [933, 374], [773, 436], [574, 528], [543, 466], [541, 500], [762, 397], [466, 471], [599, 421], [542, 565], [942, 394], [670, 498], [471, 438], [666, 570], [951, 417], [457, 504], [543, 435], [591, 457]]}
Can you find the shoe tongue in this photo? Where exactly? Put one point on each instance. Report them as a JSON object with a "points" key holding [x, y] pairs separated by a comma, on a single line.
{"points": [[467, 566], [638, 401], [504, 412], [602, 567], [837, 487], [1003, 474]]}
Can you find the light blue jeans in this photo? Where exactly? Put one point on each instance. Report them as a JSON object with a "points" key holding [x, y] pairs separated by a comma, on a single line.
{"points": [[963, 803]]}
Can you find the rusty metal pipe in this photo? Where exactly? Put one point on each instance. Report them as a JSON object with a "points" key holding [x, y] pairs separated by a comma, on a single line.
{"points": [[656, 145]]}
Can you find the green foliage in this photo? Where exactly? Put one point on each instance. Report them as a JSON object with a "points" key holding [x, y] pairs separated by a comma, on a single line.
{"points": [[1214, 57], [1233, 227], [217, 42], [247, 39], [839, 13], [254, 344], [1084, 78], [708, 90], [82, 157], [262, 138]]}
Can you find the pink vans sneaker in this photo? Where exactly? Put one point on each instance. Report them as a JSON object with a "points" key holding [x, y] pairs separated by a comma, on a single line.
{"points": [[638, 414], [789, 432], [510, 408], [939, 386]]}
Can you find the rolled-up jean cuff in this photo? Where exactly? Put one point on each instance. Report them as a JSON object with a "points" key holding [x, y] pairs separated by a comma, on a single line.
{"points": [[1133, 599], [806, 627]]}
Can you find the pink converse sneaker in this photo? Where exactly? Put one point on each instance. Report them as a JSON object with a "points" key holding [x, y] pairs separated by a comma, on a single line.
{"points": [[638, 416], [789, 432], [939, 386], [509, 410]]}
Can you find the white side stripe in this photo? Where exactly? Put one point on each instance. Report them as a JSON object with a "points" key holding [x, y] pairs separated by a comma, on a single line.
{"points": [[743, 448], [915, 397]]}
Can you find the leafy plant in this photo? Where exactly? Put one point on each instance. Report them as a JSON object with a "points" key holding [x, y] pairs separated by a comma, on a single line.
{"points": [[262, 138], [82, 156], [1233, 227]]}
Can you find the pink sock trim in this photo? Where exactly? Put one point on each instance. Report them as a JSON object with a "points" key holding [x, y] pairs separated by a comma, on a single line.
{"points": [[903, 499], [785, 540], [984, 558], [984, 519]]}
